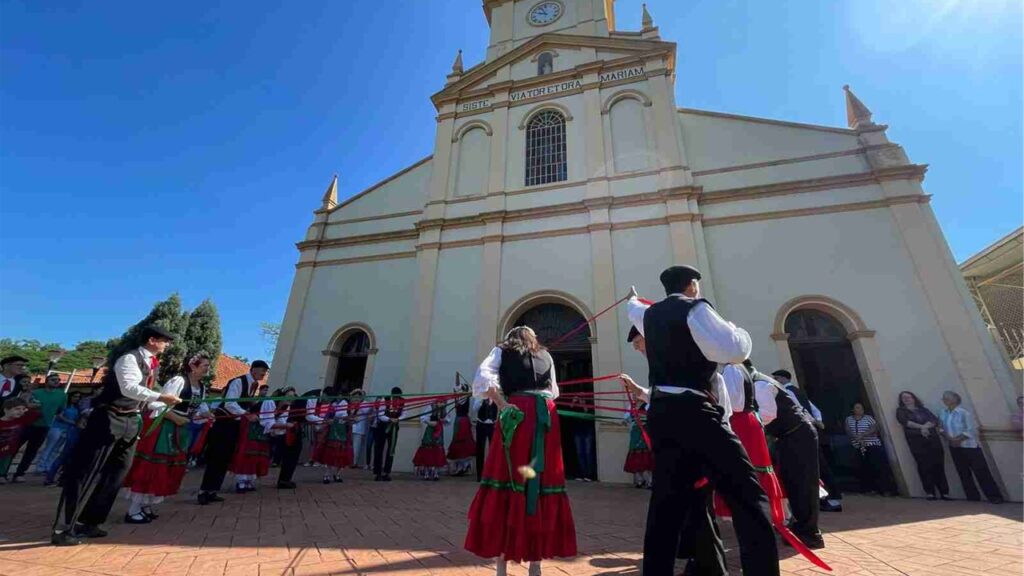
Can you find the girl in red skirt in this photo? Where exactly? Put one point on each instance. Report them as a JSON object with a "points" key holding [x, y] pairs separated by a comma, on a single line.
{"points": [[335, 449], [252, 455], [462, 450], [429, 458], [639, 459], [521, 512], [161, 457]]}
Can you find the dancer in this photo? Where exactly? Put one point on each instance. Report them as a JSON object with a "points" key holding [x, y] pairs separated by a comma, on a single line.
{"points": [[462, 448], [107, 445], [429, 458], [294, 414], [521, 512], [639, 460], [386, 434], [222, 440], [335, 449], [161, 458], [685, 338], [251, 460], [486, 415], [360, 414]]}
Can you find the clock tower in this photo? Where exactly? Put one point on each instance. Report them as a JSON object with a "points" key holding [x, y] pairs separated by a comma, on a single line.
{"points": [[514, 22]]}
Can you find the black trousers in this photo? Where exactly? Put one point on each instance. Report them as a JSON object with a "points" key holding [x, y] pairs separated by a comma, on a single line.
{"points": [[220, 448], [32, 437], [384, 437], [289, 459], [931, 465], [701, 541], [484, 432], [106, 434], [797, 453], [825, 471], [873, 469], [689, 441], [970, 461]]}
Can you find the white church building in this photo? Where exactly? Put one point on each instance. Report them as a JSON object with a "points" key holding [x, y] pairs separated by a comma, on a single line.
{"points": [[563, 172]]}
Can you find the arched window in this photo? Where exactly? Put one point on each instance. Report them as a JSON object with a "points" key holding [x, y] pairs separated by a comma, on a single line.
{"points": [[545, 63], [545, 148]]}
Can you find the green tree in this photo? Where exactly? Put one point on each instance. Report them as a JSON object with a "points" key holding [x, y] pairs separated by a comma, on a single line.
{"points": [[80, 358], [203, 333], [169, 316]]}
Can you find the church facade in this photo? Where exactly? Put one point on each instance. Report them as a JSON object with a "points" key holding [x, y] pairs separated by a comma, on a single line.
{"points": [[563, 172]]}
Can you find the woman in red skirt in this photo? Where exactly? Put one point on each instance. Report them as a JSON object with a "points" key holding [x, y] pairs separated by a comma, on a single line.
{"points": [[252, 454], [521, 511], [161, 457], [335, 447], [429, 458], [639, 459], [462, 450]]}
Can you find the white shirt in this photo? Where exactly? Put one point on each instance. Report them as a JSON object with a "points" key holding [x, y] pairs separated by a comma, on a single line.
{"points": [[486, 377], [130, 379], [957, 422], [235, 391], [361, 418], [815, 413], [172, 386], [425, 417], [865, 423], [311, 416]]}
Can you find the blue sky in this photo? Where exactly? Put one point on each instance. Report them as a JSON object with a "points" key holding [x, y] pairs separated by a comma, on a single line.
{"points": [[147, 148]]}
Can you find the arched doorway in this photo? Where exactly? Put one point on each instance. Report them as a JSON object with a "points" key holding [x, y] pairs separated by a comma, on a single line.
{"points": [[826, 367], [572, 356], [351, 362]]}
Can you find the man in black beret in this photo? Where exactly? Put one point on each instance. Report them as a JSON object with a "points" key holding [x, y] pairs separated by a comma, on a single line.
{"points": [[106, 447], [685, 340], [223, 436]]}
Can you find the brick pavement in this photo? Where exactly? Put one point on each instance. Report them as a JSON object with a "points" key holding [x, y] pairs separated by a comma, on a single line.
{"points": [[409, 527]]}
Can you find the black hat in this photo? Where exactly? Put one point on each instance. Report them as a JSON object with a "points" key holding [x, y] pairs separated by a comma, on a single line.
{"points": [[633, 333], [677, 278], [782, 374], [260, 364], [154, 331], [15, 358]]}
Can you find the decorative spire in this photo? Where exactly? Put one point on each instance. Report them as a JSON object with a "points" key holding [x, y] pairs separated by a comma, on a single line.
{"points": [[647, 21], [457, 65], [857, 114], [330, 199]]}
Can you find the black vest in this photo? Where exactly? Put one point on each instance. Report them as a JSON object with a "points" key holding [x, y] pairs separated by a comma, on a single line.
{"points": [[462, 408], [487, 411], [111, 395], [519, 372], [243, 393], [789, 414], [801, 396], [187, 406], [673, 357], [749, 400]]}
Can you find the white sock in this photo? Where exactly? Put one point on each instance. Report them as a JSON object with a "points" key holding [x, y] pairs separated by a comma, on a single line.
{"points": [[135, 508]]}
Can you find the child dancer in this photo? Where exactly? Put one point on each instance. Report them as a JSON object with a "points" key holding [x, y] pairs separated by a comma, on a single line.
{"points": [[462, 448], [252, 457], [12, 423], [336, 448], [639, 459], [429, 458]]}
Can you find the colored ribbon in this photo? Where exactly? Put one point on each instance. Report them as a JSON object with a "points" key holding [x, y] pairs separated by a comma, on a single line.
{"points": [[509, 419], [540, 432]]}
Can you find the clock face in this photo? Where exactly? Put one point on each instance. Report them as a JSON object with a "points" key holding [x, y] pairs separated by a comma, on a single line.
{"points": [[544, 13]]}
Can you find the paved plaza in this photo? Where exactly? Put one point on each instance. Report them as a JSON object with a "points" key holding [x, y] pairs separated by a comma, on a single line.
{"points": [[408, 527]]}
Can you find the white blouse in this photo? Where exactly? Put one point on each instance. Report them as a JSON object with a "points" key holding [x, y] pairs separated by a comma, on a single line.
{"points": [[486, 377]]}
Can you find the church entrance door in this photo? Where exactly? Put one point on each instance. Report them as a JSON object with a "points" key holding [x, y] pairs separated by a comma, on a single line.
{"points": [[352, 362], [572, 361]]}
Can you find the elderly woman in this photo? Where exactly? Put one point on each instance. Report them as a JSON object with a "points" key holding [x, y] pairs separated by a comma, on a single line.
{"points": [[962, 433], [921, 428], [521, 512], [873, 467]]}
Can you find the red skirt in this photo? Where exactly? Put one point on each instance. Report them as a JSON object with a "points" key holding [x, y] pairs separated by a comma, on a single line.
{"points": [[161, 459], [748, 428], [430, 454], [200, 443], [498, 519], [463, 446], [252, 455], [638, 461], [335, 447]]}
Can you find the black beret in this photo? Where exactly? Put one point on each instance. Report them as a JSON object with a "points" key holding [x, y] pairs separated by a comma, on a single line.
{"points": [[679, 277], [11, 359], [782, 374], [154, 331], [633, 333], [260, 364]]}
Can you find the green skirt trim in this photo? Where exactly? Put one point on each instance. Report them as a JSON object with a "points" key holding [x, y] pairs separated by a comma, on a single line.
{"points": [[497, 485]]}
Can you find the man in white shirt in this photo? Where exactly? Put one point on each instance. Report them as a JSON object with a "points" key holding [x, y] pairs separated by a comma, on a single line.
{"points": [[10, 368], [685, 341], [222, 439], [961, 431], [107, 445]]}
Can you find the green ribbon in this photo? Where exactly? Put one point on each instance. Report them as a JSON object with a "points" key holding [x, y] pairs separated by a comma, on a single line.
{"points": [[537, 455], [509, 419]]}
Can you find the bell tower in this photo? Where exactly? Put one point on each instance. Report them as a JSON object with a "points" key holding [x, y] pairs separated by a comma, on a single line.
{"points": [[514, 22]]}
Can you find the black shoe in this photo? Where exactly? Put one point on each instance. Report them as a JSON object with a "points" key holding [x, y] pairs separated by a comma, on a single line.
{"points": [[691, 568], [89, 531], [945, 497], [826, 507], [212, 497], [286, 485], [932, 498], [387, 478], [327, 480], [378, 478], [150, 513], [813, 541], [66, 538], [239, 489], [338, 478], [141, 519], [997, 501]]}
